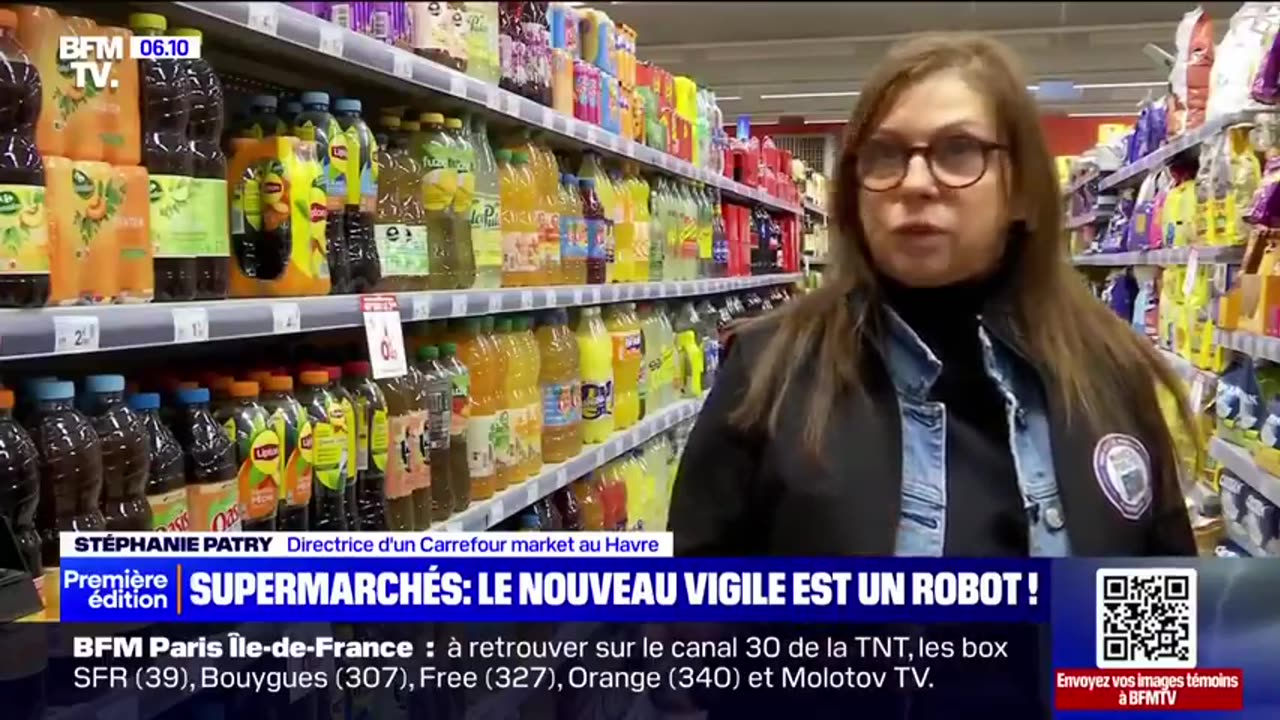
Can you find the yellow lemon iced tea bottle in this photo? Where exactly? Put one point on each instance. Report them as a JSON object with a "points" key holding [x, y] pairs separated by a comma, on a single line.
{"points": [[596, 363], [640, 206], [523, 194], [626, 350], [560, 386], [473, 351], [530, 399], [435, 150], [507, 451]]}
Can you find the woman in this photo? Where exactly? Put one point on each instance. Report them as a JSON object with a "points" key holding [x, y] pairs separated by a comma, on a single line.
{"points": [[953, 389]]}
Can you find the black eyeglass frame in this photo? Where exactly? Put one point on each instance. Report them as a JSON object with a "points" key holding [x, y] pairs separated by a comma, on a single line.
{"points": [[926, 150]]}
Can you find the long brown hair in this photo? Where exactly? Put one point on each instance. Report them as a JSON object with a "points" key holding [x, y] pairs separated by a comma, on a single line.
{"points": [[1082, 345]]}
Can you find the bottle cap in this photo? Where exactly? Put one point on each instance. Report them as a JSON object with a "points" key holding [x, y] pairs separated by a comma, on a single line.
{"points": [[258, 376], [104, 384], [187, 32], [448, 349], [264, 101], [314, 377], [193, 396], [315, 98], [486, 323], [335, 372], [502, 325], [504, 155], [519, 157], [145, 401], [347, 105], [6, 395], [148, 21], [56, 390], [244, 389], [357, 368], [222, 385], [8, 19], [453, 123], [431, 119], [390, 122], [587, 182], [278, 383], [428, 352]]}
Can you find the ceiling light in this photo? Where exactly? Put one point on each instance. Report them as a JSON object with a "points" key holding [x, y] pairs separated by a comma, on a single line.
{"points": [[791, 96], [1102, 114]]}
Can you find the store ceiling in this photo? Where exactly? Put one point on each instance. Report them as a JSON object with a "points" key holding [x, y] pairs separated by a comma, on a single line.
{"points": [[752, 49]]}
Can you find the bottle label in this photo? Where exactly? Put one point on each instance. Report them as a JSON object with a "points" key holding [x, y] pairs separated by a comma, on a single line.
{"points": [[399, 480], [209, 205], [480, 451], [641, 246], [422, 463], [486, 232], [392, 242], [460, 413], [506, 57], [441, 181], [463, 163], [549, 239], [504, 444], [260, 471], [561, 404], [704, 242], [520, 251], [573, 244], [341, 418], [597, 400], [432, 27], [439, 418], [520, 422], [533, 434], [174, 230], [343, 154], [458, 32], [627, 346], [214, 507], [246, 207], [379, 440], [328, 451], [298, 473], [361, 433], [596, 242], [24, 227], [477, 38], [169, 511], [610, 241]]}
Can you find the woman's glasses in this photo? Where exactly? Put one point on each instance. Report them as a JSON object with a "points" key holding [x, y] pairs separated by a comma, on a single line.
{"points": [[955, 161]]}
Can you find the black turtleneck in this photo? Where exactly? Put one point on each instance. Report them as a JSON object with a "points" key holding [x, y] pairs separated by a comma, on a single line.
{"points": [[985, 516]]}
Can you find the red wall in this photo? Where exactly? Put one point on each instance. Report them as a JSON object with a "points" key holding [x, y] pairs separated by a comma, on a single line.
{"points": [[1066, 135]]}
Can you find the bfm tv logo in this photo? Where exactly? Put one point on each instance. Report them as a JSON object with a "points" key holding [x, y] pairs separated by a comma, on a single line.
{"points": [[91, 58]]}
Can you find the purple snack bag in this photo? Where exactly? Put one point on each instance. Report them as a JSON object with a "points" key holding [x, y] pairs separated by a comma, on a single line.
{"points": [[362, 17], [380, 21], [341, 14], [1139, 227], [1264, 210], [401, 28], [1266, 81]]}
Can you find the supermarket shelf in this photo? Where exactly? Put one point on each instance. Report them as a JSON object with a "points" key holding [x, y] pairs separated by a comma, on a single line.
{"points": [[1256, 346], [484, 514], [1079, 183], [54, 331], [1133, 173], [275, 33], [1241, 464], [1163, 256], [1184, 367], [812, 208], [1079, 221]]}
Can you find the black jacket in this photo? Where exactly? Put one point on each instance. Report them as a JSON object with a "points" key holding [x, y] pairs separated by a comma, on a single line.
{"points": [[746, 493]]}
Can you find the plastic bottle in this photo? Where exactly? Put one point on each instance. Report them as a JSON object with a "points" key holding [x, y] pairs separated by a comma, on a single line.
{"points": [[590, 504], [439, 424], [213, 490], [258, 456], [25, 282], [625, 353], [507, 451], [289, 111], [293, 426], [166, 484], [459, 416], [362, 195], [560, 385], [512, 275], [548, 188], [639, 192], [263, 119], [594, 219], [125, 454], [524, 203], [486, 232], [370, 406], [689, 346], [484, 406], [327, 511], [401, 397], [566, 506], [20, 486], [464, 162], [709, 336], [315, 124], [342, 415], [719, 239], [419, 437], [596, 364], [439, 32], [573, 249], [435, 152], [531, 396], [166, 90], [624, 229], [209, 185], [390, 231], [418, 260], [479, 64]]}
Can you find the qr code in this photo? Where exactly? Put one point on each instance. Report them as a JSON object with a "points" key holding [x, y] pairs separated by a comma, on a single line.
{"points": [[1146, 618]]}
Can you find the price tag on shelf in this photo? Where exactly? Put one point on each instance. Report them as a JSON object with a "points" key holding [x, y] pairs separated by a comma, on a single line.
{"points": [[526, 299], [1193, 266], [285, 318], [511, 104], [663, 289], [533, 492], [495, 512], [628, 292], [384, 336], [457, 85], [190, 325], [421, 307], [331, 39], [549, 297], [458, 305], [495, 302], [263, 17], [401, 63], [597, 458], [577, 296], [75, 333], [492, 97], [562, 477], [595, 295], [593, 135], [547, 118]]}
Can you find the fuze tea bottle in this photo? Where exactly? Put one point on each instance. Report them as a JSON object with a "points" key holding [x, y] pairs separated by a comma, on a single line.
{"points": [[435, 152], [328, 512], [464, 161], [390, 231], [370, 407], [24, 228], [166, 90], [125, 454], [315, 124], [166, 479], [417, 253], [258, 455], [209, 185], [362, 195], [19, 485], [293, 426], [213, 489]]}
